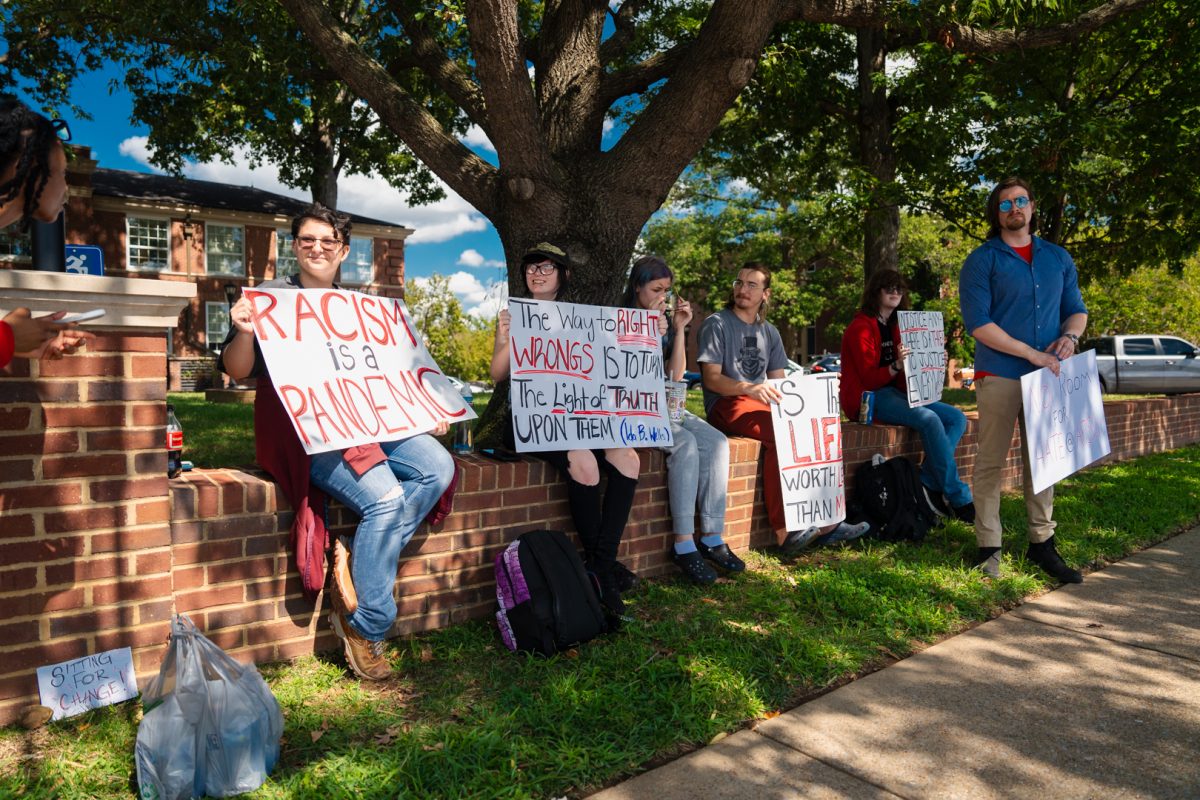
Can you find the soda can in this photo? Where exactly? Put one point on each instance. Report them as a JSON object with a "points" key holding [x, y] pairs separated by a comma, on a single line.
{"points": [[866, 410]]}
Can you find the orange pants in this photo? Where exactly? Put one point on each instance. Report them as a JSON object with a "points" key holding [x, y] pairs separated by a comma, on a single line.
{"points": [[745, 416]]}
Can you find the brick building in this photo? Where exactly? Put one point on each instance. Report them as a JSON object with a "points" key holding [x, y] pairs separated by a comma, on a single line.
{"points": [[218, 237]]}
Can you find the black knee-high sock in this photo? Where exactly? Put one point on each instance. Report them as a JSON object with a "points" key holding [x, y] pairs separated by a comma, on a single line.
{"points": [[618, 501], [586, 513]]}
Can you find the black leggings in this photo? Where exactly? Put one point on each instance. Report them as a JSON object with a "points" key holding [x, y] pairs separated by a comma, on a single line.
{"points": [[600, 521]]}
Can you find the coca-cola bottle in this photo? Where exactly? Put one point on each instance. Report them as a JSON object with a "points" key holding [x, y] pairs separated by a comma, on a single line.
{"points": [[174, 443]]}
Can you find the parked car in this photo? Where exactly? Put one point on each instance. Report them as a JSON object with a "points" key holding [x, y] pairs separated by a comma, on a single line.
{"points": [[693, 379], [1134, 364], [830, 362], [459, 383]]}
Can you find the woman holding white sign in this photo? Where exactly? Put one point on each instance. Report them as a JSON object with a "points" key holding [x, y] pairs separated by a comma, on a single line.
{"points": [[698, 461], [873, 361], [392, 486], [600, 521]]}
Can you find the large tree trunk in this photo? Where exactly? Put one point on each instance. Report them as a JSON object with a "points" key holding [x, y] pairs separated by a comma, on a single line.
{"points": [[881, 221]]}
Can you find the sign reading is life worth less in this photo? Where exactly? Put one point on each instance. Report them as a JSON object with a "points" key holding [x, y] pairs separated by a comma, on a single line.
{"points": [[808, 441], [350, 368], [586, 377], [925, 368], [1065, 429]]}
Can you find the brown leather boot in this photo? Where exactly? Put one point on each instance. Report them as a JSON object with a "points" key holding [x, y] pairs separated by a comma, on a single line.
{"points": [[343, 583], [365, 658]]}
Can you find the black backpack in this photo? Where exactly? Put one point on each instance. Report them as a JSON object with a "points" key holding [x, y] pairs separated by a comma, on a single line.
{"points": [[546, 600], [889, 493]]}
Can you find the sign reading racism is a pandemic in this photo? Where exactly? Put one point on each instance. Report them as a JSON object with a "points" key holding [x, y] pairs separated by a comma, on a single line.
{"points": [[350, 368], [808, 441], [1065, 428], [586, 377], [925, 368]]}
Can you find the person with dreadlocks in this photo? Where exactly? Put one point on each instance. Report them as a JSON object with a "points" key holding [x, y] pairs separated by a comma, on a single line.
{"points": [[33, 185]]}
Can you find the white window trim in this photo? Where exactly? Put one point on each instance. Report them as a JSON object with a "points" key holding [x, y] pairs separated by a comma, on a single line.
{"points": [[129, 265], [209, 224], [210, 342], [371, 263], [280, 233]]}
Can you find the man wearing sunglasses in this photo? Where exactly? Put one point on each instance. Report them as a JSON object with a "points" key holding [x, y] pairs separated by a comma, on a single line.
{"points": [[1021, 301]]}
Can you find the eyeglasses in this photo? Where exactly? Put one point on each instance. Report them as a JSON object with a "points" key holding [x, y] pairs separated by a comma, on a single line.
{"points": [[1007, 205], [738, 283], [307, 242], [894, 289], [541, 267], [61, 130]]}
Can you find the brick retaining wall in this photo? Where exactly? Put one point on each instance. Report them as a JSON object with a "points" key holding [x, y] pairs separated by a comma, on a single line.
{"points": [[92, 556]]}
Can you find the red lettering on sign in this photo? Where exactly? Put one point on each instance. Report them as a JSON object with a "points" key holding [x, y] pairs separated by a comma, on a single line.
{"points": [[293, 398], [263, 315], [326, 299], [304, 310]]}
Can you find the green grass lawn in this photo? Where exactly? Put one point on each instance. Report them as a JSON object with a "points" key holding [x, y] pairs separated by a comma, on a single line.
{"points": [[467, 719]]}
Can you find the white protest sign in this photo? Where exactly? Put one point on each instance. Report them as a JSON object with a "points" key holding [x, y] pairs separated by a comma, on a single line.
{"points": [[350, 368], [76, 686], [808, 441], [925, 368], [1065, 428], [586, 377]]}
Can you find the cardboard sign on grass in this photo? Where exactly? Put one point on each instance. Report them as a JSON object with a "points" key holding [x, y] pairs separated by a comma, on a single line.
{"points": [[925, 367], [1065, 428], [82, 684], [808, 439], [586, 377], [350, 368]]}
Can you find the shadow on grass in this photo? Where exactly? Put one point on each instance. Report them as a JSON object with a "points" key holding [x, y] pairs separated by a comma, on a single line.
{"points": [[464, 718]]}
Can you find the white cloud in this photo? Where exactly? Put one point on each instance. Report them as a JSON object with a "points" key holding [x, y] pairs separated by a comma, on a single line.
{"points": [[479, 299], [474, 259], [475, 137], [367, 195]]}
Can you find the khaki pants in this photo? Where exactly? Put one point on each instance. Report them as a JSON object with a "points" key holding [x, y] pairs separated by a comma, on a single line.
{"points": [[999, 406]]}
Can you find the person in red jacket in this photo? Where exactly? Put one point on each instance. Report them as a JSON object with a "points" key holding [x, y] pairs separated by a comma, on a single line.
{"points": [[873, 360]]}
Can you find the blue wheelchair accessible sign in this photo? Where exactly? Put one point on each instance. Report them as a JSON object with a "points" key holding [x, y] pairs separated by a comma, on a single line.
{"points": [[85, 259]]}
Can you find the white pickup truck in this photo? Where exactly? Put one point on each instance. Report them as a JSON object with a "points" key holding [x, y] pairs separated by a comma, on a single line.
{"points": [[1146, 364]]}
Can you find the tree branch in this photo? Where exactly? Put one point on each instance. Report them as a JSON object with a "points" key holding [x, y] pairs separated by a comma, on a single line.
{"points": [[467, 174], [965, 38], [624, 30], [641, 76], [426, 55]]}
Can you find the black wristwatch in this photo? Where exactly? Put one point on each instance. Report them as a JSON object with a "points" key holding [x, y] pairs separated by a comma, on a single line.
{"points": [[1074, 339]]}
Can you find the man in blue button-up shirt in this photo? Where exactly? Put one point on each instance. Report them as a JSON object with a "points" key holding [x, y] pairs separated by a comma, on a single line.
{"points": [[1020, 300]]}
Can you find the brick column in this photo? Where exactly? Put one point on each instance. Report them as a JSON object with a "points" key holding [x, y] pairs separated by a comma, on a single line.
{"points": [[85, 559]]}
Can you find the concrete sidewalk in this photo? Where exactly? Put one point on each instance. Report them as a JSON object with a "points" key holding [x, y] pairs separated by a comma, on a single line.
{"points": [[1088, 691]]}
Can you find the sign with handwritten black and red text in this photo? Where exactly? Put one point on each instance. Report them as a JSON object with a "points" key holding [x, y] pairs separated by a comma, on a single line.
{"points": [[925, 367], [1065, 429], [586, 377], [82, 684], [350, 368], [808, 440]]}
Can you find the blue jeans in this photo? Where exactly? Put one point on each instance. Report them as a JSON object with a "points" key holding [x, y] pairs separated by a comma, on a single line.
{"points": [[391, 499], [697, 470], [940, 426]]}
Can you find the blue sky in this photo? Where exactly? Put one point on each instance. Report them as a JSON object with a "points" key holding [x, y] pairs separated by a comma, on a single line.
{"points": [[451, 238]]}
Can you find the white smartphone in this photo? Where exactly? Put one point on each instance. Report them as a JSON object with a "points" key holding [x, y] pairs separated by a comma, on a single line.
{"points": [[83, 316]]}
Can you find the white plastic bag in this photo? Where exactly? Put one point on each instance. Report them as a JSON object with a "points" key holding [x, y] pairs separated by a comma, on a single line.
{"points": [[212, 726]]}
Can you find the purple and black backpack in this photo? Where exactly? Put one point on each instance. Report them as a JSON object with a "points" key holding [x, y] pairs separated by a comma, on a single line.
{"points": [[546, 599]]}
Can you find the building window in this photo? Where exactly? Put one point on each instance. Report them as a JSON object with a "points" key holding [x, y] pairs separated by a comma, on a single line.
{"points": [[224, 247], [149, 244], [15, 246], [359, 264], [285, 258], [216, 324]]}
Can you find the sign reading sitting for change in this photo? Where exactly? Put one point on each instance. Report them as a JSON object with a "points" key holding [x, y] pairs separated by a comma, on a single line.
{"points": [[925, 368], [586, 377], [1065, 428], [808, 440], [82, 684], [350, 368]]}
